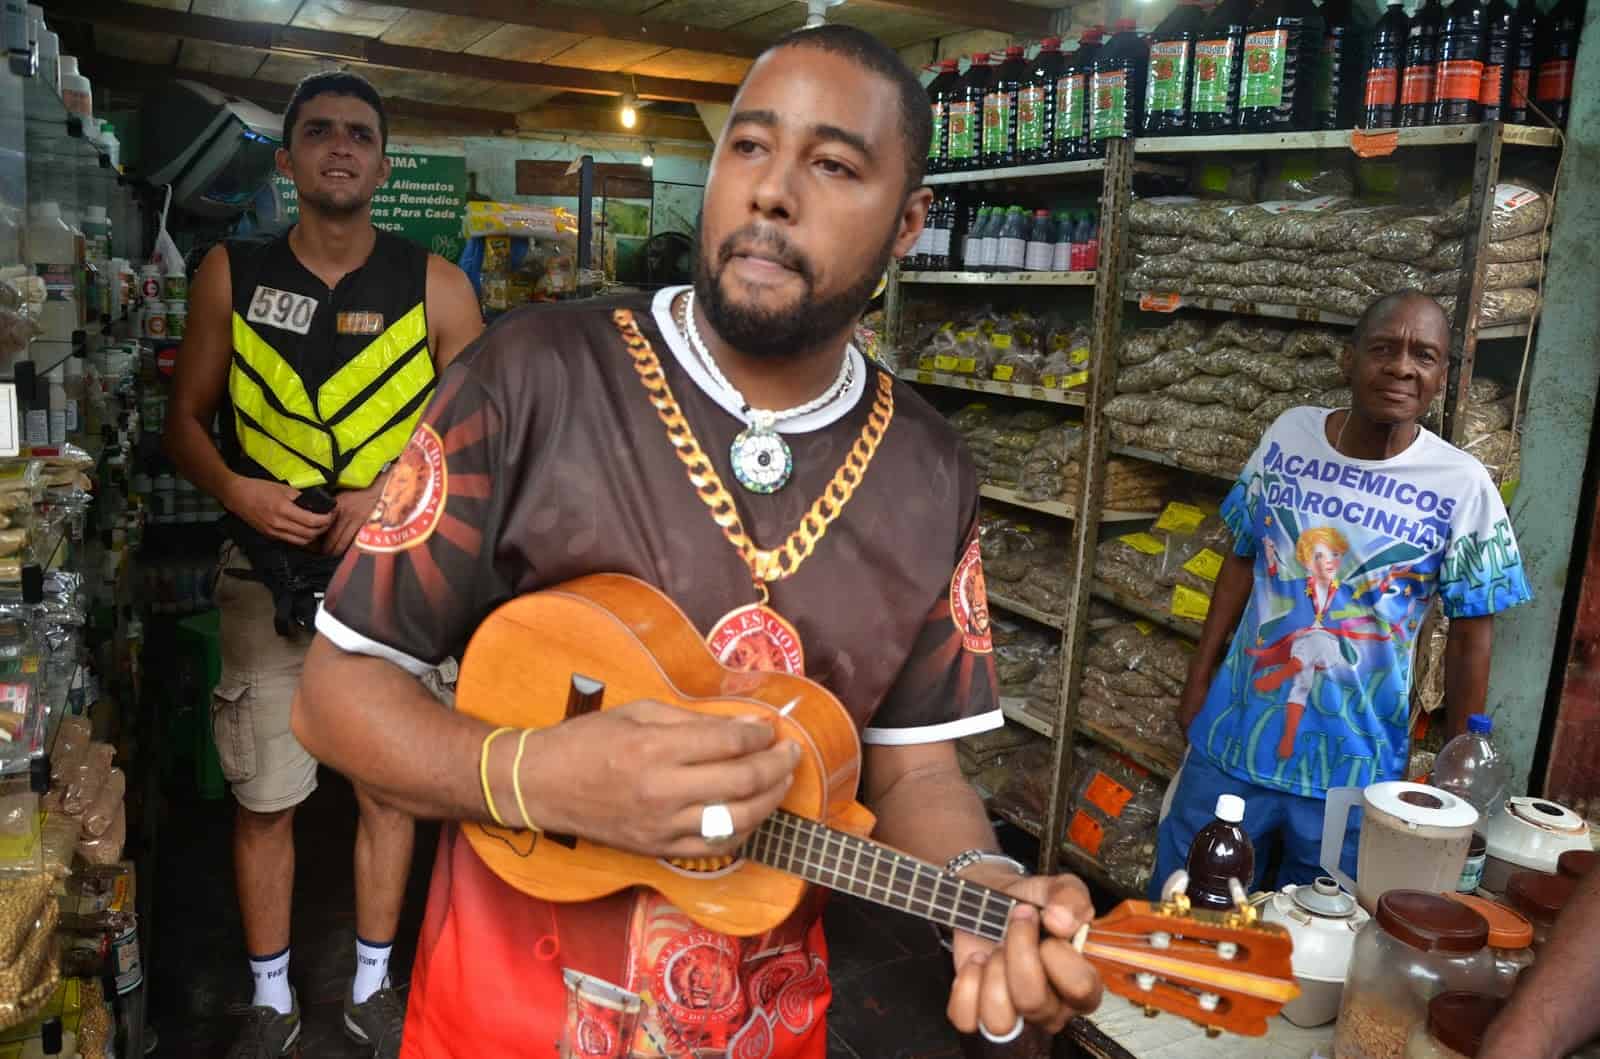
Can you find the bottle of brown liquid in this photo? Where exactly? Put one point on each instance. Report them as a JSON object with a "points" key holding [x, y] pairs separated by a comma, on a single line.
{"points": [[1219, 852]]}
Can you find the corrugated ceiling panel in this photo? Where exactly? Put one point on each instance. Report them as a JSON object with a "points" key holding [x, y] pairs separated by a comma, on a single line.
{"points": [[424, 29], [599, 53], [694, 66], [524, 43], [289, 69]]}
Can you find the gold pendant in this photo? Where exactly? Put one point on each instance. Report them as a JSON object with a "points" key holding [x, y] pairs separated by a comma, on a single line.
{"points": [[756, 638]]}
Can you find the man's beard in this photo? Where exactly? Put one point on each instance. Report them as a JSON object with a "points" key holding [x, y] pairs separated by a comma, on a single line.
{"points": [[779, 333], [335, 209]]}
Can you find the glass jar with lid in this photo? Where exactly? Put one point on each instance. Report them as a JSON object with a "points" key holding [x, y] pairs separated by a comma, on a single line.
{"points": [[1510, 940], [1540, 898], [1454, 1027], [1416, 946]]}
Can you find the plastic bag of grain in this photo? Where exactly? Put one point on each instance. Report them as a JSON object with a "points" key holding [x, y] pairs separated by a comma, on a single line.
{"points": [[1495, 277], [1406, 237], [1166, 369], [1449, 253], [1499, 306], [1519, 209]]}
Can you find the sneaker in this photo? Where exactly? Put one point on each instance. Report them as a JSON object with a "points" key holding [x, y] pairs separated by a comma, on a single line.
{"points": [[266, 1033], [377, 1022]]}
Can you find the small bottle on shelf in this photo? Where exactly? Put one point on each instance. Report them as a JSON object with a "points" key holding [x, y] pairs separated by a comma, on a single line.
{"points": [[1422, 54], [1381, 91], [1041, 247]]}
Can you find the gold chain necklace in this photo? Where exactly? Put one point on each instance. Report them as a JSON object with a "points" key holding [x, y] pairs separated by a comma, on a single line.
{"points": [[765, 565]]}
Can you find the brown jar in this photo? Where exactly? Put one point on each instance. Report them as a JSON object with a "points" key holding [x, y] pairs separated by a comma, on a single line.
{"points": [[1510, 940], [1540, 898], [1454, 1028], [1576, 863]]}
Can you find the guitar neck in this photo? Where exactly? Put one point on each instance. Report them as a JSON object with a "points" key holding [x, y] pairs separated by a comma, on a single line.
{"points": [[874, 872]]}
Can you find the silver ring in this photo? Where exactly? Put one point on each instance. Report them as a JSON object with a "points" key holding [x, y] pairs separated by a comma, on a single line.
{"points": [[716, 823], [1016, 1031]]}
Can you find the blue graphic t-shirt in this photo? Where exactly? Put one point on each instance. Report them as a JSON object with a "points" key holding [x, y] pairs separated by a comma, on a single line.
{"points": [[1315, 690]]}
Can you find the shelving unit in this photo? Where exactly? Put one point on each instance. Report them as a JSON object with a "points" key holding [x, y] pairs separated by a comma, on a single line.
{"points": [[1057, 507], [1116, 173], [1003, 279]]}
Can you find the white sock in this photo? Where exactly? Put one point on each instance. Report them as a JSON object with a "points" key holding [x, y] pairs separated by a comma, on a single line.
{"points": [[372, 969], [272, 982]]}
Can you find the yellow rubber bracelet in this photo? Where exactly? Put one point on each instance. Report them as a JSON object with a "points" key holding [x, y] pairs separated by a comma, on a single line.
{"points": [[483, 774], [516, 780]]}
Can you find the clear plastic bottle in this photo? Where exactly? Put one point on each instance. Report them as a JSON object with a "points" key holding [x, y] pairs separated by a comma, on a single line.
{"points": [[1221, 851], [1470, 767], [1061, 255], [52, 251], [1011, 253], [77, 95], [1041, 243]]}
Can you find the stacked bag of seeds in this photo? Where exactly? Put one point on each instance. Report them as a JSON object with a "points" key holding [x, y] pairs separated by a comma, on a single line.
{"points": [[988, 759], [1338, 253], [1113, 813], [1133, 675], [1026, 562], [1018, 347], [1052, 469], [1001, 442]]}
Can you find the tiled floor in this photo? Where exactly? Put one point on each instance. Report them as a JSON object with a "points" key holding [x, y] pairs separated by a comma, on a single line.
{"points": [[890, 979]]}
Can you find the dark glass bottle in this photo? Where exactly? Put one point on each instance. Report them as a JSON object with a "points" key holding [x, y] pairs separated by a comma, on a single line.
{"points": [[1333, 109], [1036, 104], [1000, 111], [1380, 107], [939, 93], [1499, 32], [1524, 51], [1458, 77], [1072, 97], [1214, 103], [1282, 45], [964, 140], [1557, 51], [1422, 54], [1171, 77], [1116, 86], [1221, 851]]}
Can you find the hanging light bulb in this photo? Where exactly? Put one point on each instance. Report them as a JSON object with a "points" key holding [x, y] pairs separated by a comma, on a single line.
{"points": [[630, 110], [648, 160]]}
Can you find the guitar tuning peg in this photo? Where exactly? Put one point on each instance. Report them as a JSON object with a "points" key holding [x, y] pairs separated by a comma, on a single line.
{"points": [[1151, 1012], [1213, 1031], [1241, 902], [1175, 894]]}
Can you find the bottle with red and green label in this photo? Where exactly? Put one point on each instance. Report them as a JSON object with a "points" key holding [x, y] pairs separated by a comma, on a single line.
{"points": [[1381, 86], [1116, 86], [1458, 69], [939, 94], [1000, 111], [1334, 108], [1214, 103], [1072, 90], [1422, 57], [1557, 52], [1282, 46], [1171, 75], [1036, 104], [964, 116]]}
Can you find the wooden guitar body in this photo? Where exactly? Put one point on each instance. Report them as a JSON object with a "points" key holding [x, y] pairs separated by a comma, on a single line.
{"points": [[536, 661]]}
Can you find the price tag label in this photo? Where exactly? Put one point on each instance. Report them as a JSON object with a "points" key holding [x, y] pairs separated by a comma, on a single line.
{"points": [[1206, 564], [1079, 355], [967, 365], [1107, 795], [1154, 302], [926, 362], [1085, 833], [1049, 382], [1004, 372], [945, 362], [1179, 517], [1076, 379], [1189, 604], [1001, 341], [1377, 143], [1143, 542], [1145, 628]]}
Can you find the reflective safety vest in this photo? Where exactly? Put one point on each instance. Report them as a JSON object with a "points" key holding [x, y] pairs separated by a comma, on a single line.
{"points": [[325, 385]]}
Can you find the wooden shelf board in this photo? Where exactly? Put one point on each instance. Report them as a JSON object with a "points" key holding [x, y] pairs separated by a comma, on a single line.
{"points": [[1002, 279], [1427, 136], [1056, 507], [1150, 456], [1004, 389], [1305, 314], [1013, 606], [1182, 626], [1017, 710]]}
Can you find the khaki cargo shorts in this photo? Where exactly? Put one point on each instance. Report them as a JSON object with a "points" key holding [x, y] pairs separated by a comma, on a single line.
{"points": [[262, 761]]}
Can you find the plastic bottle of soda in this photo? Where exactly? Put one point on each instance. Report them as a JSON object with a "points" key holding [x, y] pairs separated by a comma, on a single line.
{"points": [[1557, 53], [1061, 254], [964, 143], [1036, 104], [1381, 90], [1011, 251], [1091, 240], [1041, 246], [1458, 76], [1000, 111], [1525, 47], [939, 93], [1333, 109], [1116, 86], [1214, 103], [1282, 45], [1499, 32], [1422, 55], [991, 238], [972, 246], [1072, 94], [1221, 851], [1167, 89]]}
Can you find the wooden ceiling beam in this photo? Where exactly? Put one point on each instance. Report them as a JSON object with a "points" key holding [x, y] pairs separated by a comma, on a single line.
{"points": [[1006, 16], [568, 18], [141, 77], [350, 47]]}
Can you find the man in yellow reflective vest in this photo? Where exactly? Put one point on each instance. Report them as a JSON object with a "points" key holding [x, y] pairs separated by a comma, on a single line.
{"points": [[320, 348]]}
